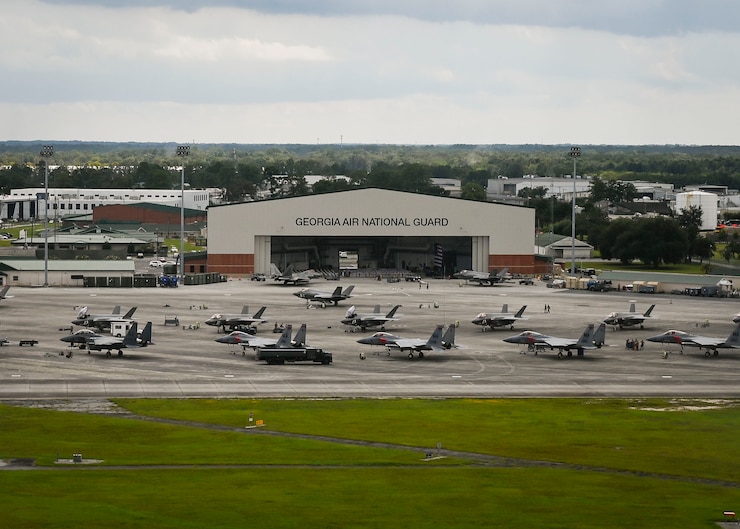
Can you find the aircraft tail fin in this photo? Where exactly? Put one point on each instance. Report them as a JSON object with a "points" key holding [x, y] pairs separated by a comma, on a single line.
{"points": [[435, 340], [259, 313], [347, 291], [632, 307], [274, 271], [129, 314], [448, 340], [503, 272], [116, 309], [520, 312], [130, 339], [392, 312], [284, 340], [505, 308], [376, 309], [734, 338], [337, 292], [650, 309], [586, 341], [300, 337], [4, 291], [245, 309], [146, 335], [599, 337]]}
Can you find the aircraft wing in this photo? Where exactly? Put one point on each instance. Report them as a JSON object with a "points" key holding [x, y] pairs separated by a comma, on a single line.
{"points": [[554, 341], [703, 341], [408, 343]]}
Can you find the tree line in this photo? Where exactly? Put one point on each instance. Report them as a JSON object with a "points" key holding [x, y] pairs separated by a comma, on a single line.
{"points": [[243, 170]]}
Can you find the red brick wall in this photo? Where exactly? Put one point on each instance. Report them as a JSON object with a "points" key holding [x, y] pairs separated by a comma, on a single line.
{"points": [[231, 264]]}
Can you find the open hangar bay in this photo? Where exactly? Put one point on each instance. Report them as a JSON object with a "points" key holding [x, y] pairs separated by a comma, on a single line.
{"points": [[187, 362]]}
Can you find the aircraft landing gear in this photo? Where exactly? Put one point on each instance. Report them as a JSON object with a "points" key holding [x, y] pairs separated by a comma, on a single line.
{"points": [[421, 354]]}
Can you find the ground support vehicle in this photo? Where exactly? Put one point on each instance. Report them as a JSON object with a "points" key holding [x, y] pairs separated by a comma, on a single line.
{"points": [[280, 355]]}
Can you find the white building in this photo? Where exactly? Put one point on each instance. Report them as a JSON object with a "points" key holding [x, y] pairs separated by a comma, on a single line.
{"points": [[27, 203], [708, 203]]}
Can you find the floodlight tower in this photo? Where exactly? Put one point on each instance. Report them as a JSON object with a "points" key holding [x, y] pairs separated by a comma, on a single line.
{"points": [[182, 151], [47, 151], [575, 153]]}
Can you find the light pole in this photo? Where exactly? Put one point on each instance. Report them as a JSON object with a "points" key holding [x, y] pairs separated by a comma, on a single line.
{"points": [[183, 151], [47, 151], [575, 152]]}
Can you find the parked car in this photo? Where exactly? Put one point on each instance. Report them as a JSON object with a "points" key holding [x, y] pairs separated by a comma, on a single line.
{"points": [[156, 263]]}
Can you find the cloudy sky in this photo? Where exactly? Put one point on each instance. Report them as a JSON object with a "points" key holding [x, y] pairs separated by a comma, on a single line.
{"points": [[372, 71]]}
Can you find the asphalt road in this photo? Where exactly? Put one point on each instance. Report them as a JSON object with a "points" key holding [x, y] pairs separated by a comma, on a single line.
{"points": [[187, 362]]}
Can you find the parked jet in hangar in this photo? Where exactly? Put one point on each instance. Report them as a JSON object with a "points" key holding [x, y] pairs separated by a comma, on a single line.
{"points": [[102, 321], [97, 342], [628, 319], [249, 340], [484, 279], [710, 344], [233, 321], [374, 319], [492, 320], [437, 342], [590, 339], [325, 297], [288, 277]]}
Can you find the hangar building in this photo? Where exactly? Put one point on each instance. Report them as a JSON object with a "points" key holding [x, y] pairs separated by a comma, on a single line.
{"points": [[370, 229]]}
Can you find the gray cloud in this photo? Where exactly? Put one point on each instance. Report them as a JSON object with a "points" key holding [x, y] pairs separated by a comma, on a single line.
{"points": [[629, 17]]}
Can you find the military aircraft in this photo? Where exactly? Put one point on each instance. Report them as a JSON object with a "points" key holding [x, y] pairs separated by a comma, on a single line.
{"points": [[249, 340], [80, 337], [233, 321], [374, 319], [710, 344], [590, 339], [325, 297], [97, 342], [492, 320], [288, 277], [484, 279], [101, 321], [437, 342], [628, 319]]}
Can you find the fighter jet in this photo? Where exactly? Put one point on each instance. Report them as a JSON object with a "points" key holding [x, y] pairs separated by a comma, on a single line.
{"points": [[101, 321], [437, 342], [491, 320], [97, 342], [233, 321], [80, 337], [628, 319], [249, 340], [374, 319], [325, 297], [590, 339], [288, 277], [710, 344], [484, 279]]}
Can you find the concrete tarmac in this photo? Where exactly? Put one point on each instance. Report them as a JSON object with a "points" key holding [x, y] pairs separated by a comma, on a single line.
{"points": [[185, 361]]}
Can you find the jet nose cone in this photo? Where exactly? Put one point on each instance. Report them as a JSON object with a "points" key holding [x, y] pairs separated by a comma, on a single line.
{"points": [[225, 339]]}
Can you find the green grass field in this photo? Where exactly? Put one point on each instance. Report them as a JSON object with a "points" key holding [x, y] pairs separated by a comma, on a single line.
{"points": [[568, 463]]}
